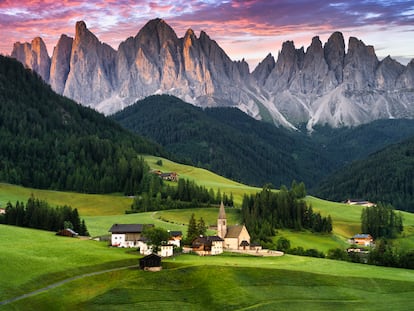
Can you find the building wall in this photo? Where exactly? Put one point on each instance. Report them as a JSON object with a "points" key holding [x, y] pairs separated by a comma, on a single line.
{"points": [[125, 239], [216, 248], [244, 235], [231, 243], [166, 251]]}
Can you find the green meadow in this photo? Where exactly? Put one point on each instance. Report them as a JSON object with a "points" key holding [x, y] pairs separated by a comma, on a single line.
{"points": [[187, 282], [34, 259]]}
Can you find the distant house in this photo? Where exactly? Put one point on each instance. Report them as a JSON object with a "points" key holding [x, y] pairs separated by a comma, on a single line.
{"points": [[362, 239], [172, 176], [175, 238], [207, 245], [151, 262], [235, 237], [126, 235], [144, 246], [359, 202], [67, 232], [166, 250]]}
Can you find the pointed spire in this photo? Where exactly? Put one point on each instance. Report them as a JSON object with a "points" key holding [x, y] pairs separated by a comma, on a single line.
{"points": [[222, 212]]}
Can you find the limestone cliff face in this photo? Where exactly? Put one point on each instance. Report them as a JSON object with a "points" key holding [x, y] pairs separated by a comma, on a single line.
{"points": [[323, 85], [60, 65], [92, 67], [34, 55]]}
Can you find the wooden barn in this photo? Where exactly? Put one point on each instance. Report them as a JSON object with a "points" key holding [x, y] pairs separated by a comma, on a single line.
{"points": [[151, 262]]}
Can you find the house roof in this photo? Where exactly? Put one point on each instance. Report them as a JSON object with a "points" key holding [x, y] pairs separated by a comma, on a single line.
{"points": [[362, 236], [206, 240], [214, 238], [128, 228], [176, 233], [234, 231]]}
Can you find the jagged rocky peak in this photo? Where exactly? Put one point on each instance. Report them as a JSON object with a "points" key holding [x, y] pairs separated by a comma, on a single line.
{"points": [[264, 68], [289, 61], [359, 65], [159, 30], [334, 51], [34, 55], [314, 54], [387, 73], [92, 67], [406, 80], [60, 64], [83, 35]]}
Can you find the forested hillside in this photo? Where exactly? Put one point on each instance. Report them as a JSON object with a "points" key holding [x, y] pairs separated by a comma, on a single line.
{"points": [[234, 145], [226, 141], [386, 176], [48, 141]]}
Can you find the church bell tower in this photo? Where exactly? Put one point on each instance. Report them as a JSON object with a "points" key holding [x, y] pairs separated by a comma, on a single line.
{"points": [[222, 222]]}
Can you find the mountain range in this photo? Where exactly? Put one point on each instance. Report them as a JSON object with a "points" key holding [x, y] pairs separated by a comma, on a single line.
{"points": [[324, 85]]}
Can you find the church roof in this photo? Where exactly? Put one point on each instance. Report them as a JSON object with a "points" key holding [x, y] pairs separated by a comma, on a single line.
{"points": [[234, 231], [222, 212]]}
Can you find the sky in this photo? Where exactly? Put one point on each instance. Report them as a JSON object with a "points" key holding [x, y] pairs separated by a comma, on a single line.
{"points": [[248, 29]]}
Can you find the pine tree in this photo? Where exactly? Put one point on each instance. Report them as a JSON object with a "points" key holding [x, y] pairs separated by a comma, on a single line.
{"points": [[192, 231]]}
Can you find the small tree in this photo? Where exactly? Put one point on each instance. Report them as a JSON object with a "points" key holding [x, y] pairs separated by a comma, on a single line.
{"points": [[192, 231], [283, 244], [156, 236], [201, 227]]}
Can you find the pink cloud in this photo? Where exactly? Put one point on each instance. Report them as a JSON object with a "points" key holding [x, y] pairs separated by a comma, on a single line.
{"points": [[237, 25]]}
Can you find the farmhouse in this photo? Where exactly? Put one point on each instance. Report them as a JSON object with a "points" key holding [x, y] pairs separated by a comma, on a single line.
{"points": [[170, 176], [359, 202], [362, 239], [67, 232], [235, 237], [175, 238], [127, 235], [207, 245], [166, 250]]}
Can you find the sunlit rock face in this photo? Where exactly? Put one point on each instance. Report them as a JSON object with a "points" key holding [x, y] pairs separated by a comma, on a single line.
{"points": [[34, 55], [60, 65], [324, 84]]}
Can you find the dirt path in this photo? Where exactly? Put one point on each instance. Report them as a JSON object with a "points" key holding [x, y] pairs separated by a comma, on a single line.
{"points": [[54, 285]]}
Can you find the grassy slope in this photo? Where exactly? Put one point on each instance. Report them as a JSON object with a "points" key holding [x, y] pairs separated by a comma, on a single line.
{"points": [[101, 211], [281, 283], [87, 204], [30, 258], [189, 282]]}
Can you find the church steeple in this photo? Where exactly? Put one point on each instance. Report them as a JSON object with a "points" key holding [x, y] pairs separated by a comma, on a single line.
{"points": [[222, 222]]}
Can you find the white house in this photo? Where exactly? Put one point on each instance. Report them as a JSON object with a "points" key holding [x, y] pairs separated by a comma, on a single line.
{"points": [[175, 238], [126, 235], [166, 250]]}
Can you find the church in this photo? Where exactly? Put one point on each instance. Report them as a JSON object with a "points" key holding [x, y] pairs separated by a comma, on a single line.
{"points": [[235, 237]]}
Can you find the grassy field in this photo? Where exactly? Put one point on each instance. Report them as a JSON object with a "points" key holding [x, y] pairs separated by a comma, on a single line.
{"points": [[203, 178], [32, 259], [87, 204], [189, 282]]}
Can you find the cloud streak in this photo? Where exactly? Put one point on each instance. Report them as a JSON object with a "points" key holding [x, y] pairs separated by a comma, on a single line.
{"points": [[252, 27]]}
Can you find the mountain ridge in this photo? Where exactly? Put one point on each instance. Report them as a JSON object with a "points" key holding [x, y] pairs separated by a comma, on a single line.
{"points": [[324, 84]]}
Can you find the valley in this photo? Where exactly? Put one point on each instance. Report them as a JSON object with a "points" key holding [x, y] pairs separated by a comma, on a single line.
{"points": [[202, 131]]}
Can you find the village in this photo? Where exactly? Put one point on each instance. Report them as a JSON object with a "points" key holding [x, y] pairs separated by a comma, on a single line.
{"points": [[233, 238]]}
